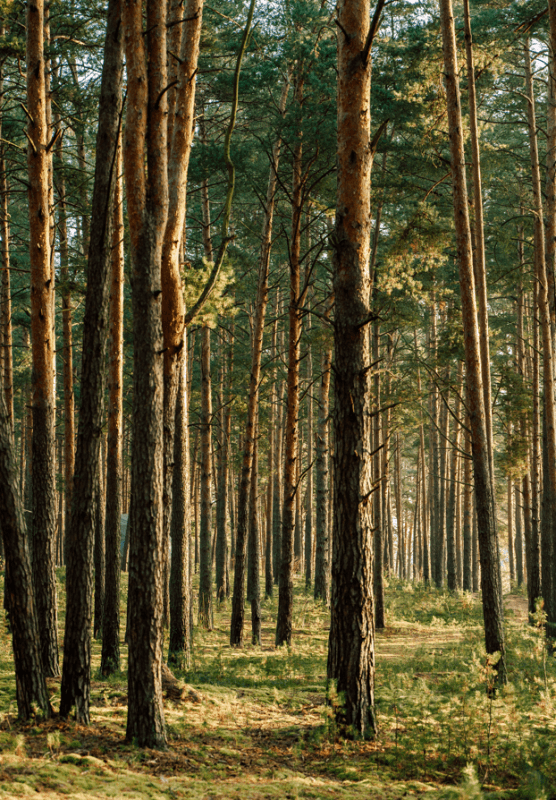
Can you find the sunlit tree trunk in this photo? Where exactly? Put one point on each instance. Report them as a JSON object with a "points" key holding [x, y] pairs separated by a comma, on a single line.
{"points": [[184, 43], [322, 564], [351, 643], [43, 476]]}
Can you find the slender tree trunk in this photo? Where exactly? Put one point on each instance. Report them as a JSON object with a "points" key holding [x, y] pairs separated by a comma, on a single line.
{"points": [[67, 333], [543, 305], [241, 528], [511, 560], [484, 495], [378, 522], [222, 549], [205, 560], [467, 516], [453, 489], [100, 548], [76, 677], [179, 646], [518, 536], [284, 623], [322, 568], [254, 592], [110, 659]]}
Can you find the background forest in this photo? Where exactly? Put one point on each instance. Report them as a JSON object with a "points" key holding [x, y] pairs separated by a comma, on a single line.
{"points": [[245, 465]]}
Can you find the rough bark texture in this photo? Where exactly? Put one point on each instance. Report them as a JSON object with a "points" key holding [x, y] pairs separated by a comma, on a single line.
{"points": [[185, 41], [147, 203], [76, 677], [351, 649], [30, 684], [110, 659], [43, 345], [284, 622], [484, 496]]}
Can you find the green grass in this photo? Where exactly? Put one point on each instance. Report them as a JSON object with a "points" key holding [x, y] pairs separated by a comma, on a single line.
{"points": [[256, 724]]}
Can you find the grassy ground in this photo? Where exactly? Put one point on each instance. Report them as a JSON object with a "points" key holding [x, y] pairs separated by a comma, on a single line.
{"points": [[254, 723]]}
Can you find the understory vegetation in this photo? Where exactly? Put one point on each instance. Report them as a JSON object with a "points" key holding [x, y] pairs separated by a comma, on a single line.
{"points": [[255, 722]]}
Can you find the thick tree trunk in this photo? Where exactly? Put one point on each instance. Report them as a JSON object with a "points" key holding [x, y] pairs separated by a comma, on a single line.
{"points": [[351, 650], [484, 495], [147, 205], [185, 41], [110, 660], [76, 677], [30, 683]]}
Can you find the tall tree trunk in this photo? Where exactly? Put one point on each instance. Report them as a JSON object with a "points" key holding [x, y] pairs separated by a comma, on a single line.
{"points": [[43, 476], [67, 334], [147, 204], [351, 650], [254, 583], [179, 646], [205, 540], [76, 677], [322, 564], [378, 521], [479, 261], [549, 482], [467, 516], [181, 127], [100, 547], [484, 494], [238, 602], [453, 489], [284, 623], [222, 548], [30, 683], [110, 659]]}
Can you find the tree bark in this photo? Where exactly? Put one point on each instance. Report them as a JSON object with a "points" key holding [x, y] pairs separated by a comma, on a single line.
{"points": [[351, 644], [30, 683], [322, 564], [147, 204], [238, 599], [43, 475], [110, 659], [484, 495], [76, 677]]}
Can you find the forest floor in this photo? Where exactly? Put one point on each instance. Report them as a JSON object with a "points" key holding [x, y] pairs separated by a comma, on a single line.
{"points": [[254, 723]]}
